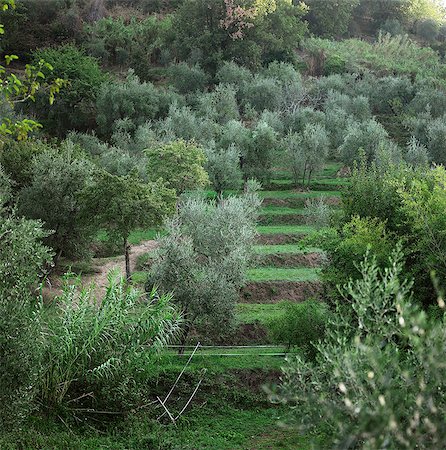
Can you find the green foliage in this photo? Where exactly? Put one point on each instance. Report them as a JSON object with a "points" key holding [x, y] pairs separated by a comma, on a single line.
{"points": [[232, 73], [137, 44], [5, 188], [317, 212], [220, 105], [262, 93], [367, 136], [14, 89], [23, 257], [436, 135], [58, 176], [300, 325], [428, 29], [102, 344], [307, 152], [75, 109], [258, 159], [347, 247], [395, 55], [183, 123], [179, 164], [22, 260], [379, 371], [122, 204], [423, 203], [16, 157], [223, 168], [187, 78], [205, 255], [131, 100], [331, 18], [416, 153]]}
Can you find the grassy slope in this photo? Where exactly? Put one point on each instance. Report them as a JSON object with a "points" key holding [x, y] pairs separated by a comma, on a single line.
{"points": [[282, 274], [283, 249]]}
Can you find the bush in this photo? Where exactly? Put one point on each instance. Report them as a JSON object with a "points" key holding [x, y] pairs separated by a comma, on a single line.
{"points": [[377, 375], [436, 135], [183, 123], [22, 260], [179, 164], [53, 196], [416, 153], [232, 73], [187, 78], [367, 136], [301, 325], [317, 212], [331, 19], [262, 93], [223, 167], [137, 44], [204, 257], [428, 29], [102, 344], [75, 108], [133, 100], [220, 105], [16, 157]]}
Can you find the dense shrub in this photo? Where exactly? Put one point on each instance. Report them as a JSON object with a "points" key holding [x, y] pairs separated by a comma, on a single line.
{"points": [[184, 123], [307, 152], [53, 196], [22, 259], [330, 19], [75, 108], [16, 158], [368, 136], [187, 78], [436, 136], [179, 164], [416, 153], [139, 102], [232, 73], [101, 344], [220, 105], [379, 371], [262, 93], [223, 167], [137, 44], [204, 258], [428, 29], [300, 325]]}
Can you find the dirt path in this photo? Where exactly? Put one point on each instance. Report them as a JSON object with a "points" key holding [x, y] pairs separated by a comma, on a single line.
{"points": [[102, 269]]}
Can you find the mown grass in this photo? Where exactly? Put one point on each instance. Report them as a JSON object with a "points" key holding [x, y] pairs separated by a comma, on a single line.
{"points": [[285, 229], [282, 274], [262, 312], [284, 249], [297, 194], [281, 210]]}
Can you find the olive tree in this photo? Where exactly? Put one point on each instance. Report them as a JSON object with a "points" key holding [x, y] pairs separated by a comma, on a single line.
{"points": [[179, 164], [58, 177], [204, 256], [121, 204], [307, 151], [223, 167]]}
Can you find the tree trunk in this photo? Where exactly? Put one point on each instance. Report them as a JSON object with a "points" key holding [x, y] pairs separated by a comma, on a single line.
{"points": [[186, 330], [127, 260]]}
